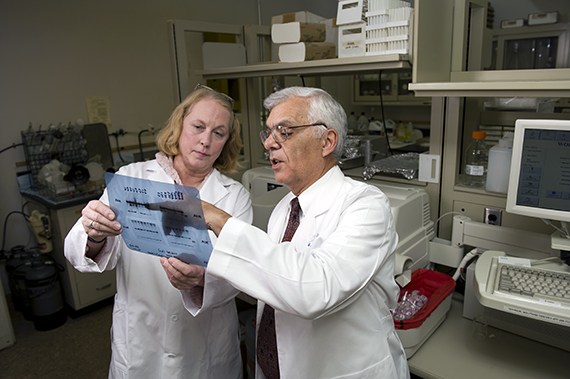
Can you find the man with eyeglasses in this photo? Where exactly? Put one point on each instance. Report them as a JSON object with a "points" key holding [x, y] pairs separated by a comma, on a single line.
{"points": [[323, 273]]}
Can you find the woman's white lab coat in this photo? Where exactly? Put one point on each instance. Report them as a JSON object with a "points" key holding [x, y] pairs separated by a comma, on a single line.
{"points": [[332, 287], [153, 336]]}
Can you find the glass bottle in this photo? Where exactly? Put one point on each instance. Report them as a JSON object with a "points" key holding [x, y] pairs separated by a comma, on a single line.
{"points": [[476, 161]]}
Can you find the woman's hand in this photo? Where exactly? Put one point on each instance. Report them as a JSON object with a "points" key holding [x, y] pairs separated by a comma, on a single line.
{"points": [[99, 221], [183, 276]]}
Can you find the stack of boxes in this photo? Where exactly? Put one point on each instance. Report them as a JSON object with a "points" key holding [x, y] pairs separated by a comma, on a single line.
{"points": [[374, 27], [303, 36]]}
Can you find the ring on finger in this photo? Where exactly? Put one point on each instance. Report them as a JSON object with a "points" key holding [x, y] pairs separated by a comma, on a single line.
{"points": [[91, 225]]}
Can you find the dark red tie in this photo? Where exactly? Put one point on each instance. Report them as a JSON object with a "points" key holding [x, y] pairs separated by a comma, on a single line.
{"points": [[267, 357]]}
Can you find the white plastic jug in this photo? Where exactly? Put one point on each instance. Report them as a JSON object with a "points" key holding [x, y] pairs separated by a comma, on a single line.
{"points": [[500, 165]]}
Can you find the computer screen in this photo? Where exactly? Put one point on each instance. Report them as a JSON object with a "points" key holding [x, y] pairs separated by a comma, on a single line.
{"points": [[539, 181]]}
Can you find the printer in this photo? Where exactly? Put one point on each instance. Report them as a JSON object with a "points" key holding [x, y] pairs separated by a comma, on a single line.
{"points": [[410, 209]]}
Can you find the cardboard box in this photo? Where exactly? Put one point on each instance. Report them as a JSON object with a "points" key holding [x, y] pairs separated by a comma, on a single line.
{"points": [[302, 16], [294, 32], [543, 18], [352, 40], [350, 12], [306, 51], [512, 23], [331, 29]]}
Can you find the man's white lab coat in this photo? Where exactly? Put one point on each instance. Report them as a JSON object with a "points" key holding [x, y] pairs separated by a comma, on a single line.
{"points": [[153, 336], [332, 286]]}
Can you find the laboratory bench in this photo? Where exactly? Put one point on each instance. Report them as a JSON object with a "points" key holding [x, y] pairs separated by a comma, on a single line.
{"points": [[453, 351]]}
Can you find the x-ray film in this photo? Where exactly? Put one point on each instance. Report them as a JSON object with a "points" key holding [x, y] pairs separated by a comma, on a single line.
{"points": [[160, 219]]}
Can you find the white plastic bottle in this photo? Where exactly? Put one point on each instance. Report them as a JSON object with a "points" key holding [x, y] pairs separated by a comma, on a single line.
{"points": [[375, 126], [362, 123], [476, 161], [352, 122], [500, 165]]}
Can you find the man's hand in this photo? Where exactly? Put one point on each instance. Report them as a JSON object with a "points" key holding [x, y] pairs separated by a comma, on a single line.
{"points": [[183, 276], [215, 217]]}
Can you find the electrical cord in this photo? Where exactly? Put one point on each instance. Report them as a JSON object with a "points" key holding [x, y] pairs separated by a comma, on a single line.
{"points": [[140, 143], [14, 145], [118, 147], [382, 109], [26, 217], [563, 230], [470, 255]]}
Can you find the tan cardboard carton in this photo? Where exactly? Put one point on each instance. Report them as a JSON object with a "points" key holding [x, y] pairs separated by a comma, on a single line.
{"points": [[306, 51], [293, 32]]}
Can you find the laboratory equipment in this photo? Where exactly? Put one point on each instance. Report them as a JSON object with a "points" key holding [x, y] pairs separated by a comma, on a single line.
{"points": [[361, 150], [536, 188], [433, 290], [538, 181], [46, 301], [410, 209], [42, 230], [543, 317], [535, 285]]}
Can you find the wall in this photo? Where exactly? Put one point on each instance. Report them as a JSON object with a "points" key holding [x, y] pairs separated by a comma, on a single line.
{"points": [[56, 53]]}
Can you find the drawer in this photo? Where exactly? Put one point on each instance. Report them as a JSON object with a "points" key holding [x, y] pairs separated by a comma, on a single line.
{"points": [[96, 289]]}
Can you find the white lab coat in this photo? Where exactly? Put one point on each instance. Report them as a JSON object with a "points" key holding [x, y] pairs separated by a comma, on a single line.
{"points": [[153, 336], [332, 286]]}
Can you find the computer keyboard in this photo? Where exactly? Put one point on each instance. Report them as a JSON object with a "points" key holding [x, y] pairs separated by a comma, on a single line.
{"points": [[539, 292], [533, 284]]}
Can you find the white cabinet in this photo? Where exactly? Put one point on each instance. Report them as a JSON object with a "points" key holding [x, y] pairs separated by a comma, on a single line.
{"points": [[7, 336], [450, 55], [79, 289]]}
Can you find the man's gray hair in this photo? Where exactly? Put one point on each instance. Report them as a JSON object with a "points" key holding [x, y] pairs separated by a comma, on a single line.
{"points": [[323, 108]]}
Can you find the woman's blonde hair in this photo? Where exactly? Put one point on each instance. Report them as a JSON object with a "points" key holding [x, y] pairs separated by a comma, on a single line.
{"points": [[167, 139]]}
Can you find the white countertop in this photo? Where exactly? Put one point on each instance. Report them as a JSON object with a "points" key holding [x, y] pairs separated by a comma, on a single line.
{"points": [[452, 352]]}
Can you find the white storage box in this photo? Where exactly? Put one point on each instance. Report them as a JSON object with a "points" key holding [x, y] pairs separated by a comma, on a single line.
{"points": [[350, 12], [352, 40], [512, 23], [543, 18]]}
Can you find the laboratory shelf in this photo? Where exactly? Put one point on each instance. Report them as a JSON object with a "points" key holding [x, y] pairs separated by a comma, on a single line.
{"points": [[321, 67]]}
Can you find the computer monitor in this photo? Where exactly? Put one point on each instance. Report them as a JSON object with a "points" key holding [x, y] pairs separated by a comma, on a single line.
{"points": [[539, 181]]}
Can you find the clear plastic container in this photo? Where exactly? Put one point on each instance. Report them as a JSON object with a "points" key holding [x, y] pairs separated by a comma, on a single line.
{"points": [[476, 161]]}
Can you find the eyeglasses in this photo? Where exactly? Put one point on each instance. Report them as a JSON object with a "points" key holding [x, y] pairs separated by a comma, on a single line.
{"points": [[280, 134], [227, 97]]}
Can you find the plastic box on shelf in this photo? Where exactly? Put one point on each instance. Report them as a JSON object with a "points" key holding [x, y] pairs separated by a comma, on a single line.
{"points": [[388, 28], [437, 287]]}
